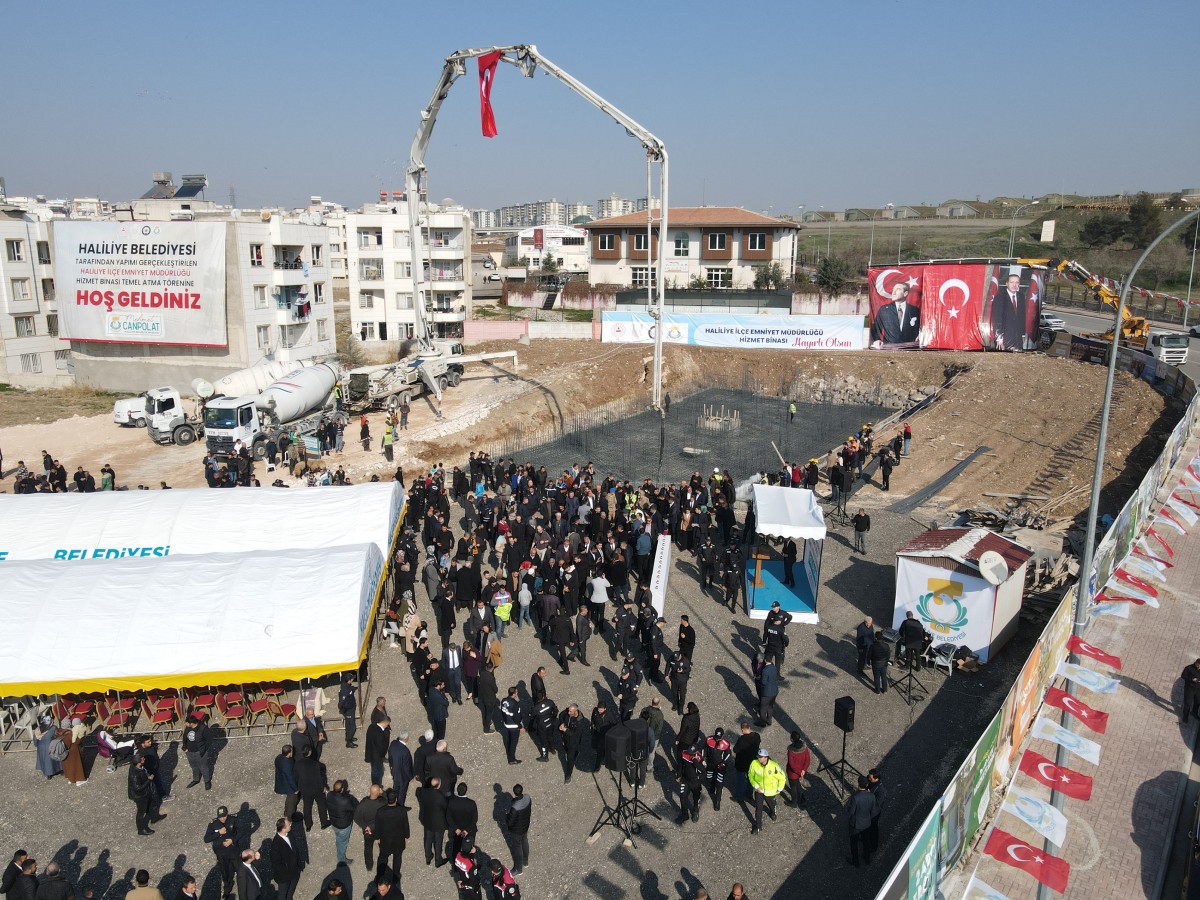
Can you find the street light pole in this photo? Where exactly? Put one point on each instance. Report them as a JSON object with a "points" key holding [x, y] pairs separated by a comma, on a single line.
{"points": [[900, 242], [1083, 587], [1187, 304], [1012, 232]]}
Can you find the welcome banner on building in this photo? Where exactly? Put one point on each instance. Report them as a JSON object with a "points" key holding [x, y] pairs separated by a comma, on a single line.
{"points": [[141, 282], [741, 332]]}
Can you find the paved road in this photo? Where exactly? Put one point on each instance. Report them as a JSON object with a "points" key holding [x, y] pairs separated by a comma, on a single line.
{"points": [[1079, 322]]}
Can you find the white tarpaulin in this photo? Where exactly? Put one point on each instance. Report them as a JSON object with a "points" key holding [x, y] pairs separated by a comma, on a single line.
{"points": [[743, 332], [142, 524], [227, 618], [788, 512], [141, 282], [954, 607]]}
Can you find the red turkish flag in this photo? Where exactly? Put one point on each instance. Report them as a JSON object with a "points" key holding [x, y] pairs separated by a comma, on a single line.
{"points": [[1064, 780], [953, 307], [1092, 718], [487, 72], [1051, 871], [1078, 645]]}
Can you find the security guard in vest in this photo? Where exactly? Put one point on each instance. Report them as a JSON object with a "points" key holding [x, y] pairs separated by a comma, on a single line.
{"points": [[767, 780], [716, 757], [691, 783]]}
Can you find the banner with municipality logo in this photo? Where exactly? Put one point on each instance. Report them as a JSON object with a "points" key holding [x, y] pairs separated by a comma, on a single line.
{"points": [[953, 607], [741, 332], [141, 282]]}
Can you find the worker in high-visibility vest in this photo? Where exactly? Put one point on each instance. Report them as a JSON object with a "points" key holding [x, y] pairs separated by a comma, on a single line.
{"points": [[767, 780]]}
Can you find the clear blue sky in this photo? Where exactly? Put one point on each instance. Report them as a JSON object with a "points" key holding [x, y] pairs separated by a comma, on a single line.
{"points": [[771, 104]]}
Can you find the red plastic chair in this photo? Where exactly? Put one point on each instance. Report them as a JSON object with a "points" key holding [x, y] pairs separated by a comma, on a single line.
{"points": [[280, 710], [231, 710], [168, 713], [110, 717]]}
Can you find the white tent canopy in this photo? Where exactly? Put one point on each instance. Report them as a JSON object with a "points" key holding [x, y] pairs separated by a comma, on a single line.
{"points": [[142, 524], [228, 618], [782, 512]]}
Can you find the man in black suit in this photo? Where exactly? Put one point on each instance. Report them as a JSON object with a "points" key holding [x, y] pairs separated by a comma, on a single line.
{"points": [[431, 813], [249, 880], [285, 866], [898, 322], [1009, 309], [379, 737], [310, 777], [462, 815], [12, 872], [400, 761], [912, 640], [391, 829]]}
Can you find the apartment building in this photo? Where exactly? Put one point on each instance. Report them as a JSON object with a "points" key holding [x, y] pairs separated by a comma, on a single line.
{"points": [[568, 246], [380, 277], [725, 246], [31, 356]]}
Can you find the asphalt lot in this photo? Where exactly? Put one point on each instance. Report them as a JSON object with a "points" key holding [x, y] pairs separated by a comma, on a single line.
{"points": [[89, 829]]}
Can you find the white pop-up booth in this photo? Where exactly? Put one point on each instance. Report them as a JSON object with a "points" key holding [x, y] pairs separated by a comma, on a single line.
{"points": [[964, 585], [785, 513]]}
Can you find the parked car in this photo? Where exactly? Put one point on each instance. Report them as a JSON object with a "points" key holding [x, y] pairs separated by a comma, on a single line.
{"points": [[1052, 322], [1194, 331], [495, 276]]}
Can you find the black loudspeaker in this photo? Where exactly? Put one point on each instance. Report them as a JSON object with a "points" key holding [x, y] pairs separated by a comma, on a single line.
{"points": [[616, 748], [843, 713], [639, 737]]}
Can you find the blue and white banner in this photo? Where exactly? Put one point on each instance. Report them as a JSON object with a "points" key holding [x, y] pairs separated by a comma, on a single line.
{"points": [[743, 332], [1082, 747], [1039, 815], [1088, 678]]}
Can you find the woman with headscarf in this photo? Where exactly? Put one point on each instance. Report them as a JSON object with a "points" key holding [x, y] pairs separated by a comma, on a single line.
{"points": [[73, 764], [45, 763]]}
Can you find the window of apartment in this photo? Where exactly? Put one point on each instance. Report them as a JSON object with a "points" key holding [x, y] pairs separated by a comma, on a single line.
{"points": [[24, 326], [318, 292], [15, 250], [756, 240], [48, 289], [370, 237], [256, 255], [322, 329], [263, 336], [643, 276], [404, 301], [400, 240], [43, 251], [260, 296], [443, 238], [641, 241], [606, 242], [292, 336], [31, 363], [20, 289], [370, 269], [335, 248], [683, 244], [52, 324], [317, 259], [716, 240], [366, 331], [366, 300], [62, 358], [404, 270], [719, 278]]}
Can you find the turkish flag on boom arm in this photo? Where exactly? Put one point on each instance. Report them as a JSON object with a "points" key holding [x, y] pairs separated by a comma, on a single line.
{"points": [[1051, 871], [1059, 778], [487, 72]]}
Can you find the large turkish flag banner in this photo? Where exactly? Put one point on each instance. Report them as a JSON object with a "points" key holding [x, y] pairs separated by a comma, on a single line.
{"points": [[881, 282], [952, 307], [1050, 870]]}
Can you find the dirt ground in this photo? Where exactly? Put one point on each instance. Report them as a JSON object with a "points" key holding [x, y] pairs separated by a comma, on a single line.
{"points": [[1037, 415]]}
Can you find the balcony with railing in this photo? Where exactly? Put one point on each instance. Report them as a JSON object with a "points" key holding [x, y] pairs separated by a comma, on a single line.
{"points": [[370, 238], [445, 273], [294, 304], [370, 269]]}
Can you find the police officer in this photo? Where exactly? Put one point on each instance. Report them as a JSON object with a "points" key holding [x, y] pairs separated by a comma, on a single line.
{"points": [[510, 721], [222, 834], [679, 671], [543, 718], [348, 707], [621, 622], [775, 636], [707, 556], [767, 781], [691, 783], [570, 726], [657, 651], [466, 872], [733, 575], [627, 694], [716, 757]]}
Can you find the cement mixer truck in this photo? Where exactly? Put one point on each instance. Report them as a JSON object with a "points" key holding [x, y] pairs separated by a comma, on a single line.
{"points": [[296, 401]]}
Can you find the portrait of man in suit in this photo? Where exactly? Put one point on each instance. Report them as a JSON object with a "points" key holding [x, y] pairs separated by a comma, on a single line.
{"points": [[1013, 316], [898, 322]]}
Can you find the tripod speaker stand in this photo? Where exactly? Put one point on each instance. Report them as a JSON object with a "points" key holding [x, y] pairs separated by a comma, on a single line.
{"points": [[910, 687], [624, 816], [843, 718]]}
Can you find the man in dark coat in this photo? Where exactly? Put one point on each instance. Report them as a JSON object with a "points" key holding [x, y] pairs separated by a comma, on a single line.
{"points": [[222, 834], [487, 691], [864, 637], [379, 736], [400, 760], [249, 879], [391, 828], [431, 805], [442, 765], [285, 780], [310, 777], [285, 863]]}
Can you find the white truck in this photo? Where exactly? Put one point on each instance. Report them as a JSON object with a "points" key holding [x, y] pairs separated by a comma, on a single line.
{"points": [[132, 410], [168, 421], [297, 401]]}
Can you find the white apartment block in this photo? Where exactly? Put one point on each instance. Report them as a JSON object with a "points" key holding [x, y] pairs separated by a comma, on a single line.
{"points": [[484, 219], [380, 277], [724, 246], [613, 206], [539, 212], [31, 355], [575, 210]]}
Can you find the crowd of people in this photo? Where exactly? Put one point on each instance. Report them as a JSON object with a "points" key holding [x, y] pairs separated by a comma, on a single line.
{"points": [[566, 557]]}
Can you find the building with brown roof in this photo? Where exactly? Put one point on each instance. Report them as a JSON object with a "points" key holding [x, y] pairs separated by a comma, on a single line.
{"points": [[726, 246]]}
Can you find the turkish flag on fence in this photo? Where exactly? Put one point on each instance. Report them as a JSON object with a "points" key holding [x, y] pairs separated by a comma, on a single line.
{"points": [[1092, 718], [1050, 870], [487, 72], [1059, 778], [1078, 645]]}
